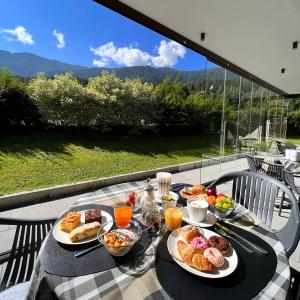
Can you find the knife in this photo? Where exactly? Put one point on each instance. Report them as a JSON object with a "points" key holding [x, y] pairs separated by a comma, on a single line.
{"points": [[229, 231], [86, 250]]}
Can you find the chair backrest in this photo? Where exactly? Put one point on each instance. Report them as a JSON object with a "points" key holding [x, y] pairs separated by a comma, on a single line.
{"points": [[29, 235], [255, 164], [251, 163], [289, 179], [275, 171], [258, 193], [280, 147]]}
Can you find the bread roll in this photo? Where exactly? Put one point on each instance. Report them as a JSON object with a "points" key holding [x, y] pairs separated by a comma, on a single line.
{"points": [[198, 189], [85, 231]]}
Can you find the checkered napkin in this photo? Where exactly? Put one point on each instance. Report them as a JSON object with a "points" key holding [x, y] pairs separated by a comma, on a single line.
{"points": [[137, 279]]}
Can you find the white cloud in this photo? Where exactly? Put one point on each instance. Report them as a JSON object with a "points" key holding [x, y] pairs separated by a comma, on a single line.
{"points": [[167, 55], [60, 38], [99, 63], [20, 34]]}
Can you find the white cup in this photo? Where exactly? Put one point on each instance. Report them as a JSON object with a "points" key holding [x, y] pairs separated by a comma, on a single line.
{"points": [[197, 209], [163, 182]]}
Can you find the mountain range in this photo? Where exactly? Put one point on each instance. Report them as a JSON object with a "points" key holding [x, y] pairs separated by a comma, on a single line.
{"points": [[28, 65]]}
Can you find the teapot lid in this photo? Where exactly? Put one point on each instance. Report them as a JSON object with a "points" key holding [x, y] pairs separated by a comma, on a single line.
{"points": [[149, 186]]}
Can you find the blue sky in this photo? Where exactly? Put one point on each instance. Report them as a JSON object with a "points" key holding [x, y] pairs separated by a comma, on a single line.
{"points": [[85, 33]]}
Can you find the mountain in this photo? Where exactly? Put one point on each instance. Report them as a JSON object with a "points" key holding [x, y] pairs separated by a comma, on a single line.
{"points": [[28, 65]]}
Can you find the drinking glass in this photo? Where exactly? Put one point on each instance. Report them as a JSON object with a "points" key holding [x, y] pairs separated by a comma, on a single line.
{"points": [[163, 182], [123, 214], [173, 217]]}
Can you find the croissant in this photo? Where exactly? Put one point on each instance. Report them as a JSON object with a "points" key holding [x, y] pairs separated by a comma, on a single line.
{"points": [[190, 256]]}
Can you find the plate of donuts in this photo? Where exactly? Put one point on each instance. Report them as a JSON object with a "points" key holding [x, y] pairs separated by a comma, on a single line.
{"points": [[202, 252]]}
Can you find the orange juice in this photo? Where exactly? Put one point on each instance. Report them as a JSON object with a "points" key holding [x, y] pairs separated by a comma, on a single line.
{"points": [[173, 217], [123, 215]]}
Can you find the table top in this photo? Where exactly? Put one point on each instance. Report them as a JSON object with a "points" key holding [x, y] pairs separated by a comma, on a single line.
{"points": [[138, 280]]}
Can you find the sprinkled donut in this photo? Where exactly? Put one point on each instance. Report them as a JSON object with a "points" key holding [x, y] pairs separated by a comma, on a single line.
{"points": [[214, 256], [219, 242], [199, 243]]}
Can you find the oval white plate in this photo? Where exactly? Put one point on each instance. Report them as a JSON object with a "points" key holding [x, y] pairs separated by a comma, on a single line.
{"points": [[209, 221], [158, 198], [231, 259], [63, 237]]}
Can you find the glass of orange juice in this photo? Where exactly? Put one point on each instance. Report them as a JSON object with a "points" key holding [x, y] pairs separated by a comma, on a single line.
{"points": [[173, 217], [123, 214]]}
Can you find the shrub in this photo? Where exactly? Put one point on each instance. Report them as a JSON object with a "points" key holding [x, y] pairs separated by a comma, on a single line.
{"points": [[16, 109], [63, 101]]}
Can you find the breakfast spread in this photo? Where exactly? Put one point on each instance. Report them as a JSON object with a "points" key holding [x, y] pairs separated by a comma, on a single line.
{"points": [[70, 221], [93, 215], [84, 231], [198, 252]]}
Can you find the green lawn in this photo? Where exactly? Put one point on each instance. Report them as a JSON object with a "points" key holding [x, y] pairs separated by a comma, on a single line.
{"points": [[41, 159], [294, 140]]}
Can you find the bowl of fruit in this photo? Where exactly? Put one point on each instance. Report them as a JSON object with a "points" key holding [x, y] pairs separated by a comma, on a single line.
{"points": [[224, 206]]}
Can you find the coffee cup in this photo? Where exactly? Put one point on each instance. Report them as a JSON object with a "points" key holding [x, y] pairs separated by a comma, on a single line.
{"points": [[197, 209]]}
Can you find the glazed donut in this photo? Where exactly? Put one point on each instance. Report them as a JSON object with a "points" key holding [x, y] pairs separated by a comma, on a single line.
{"points": [[199, 244], [214, 256], [219, 242]]}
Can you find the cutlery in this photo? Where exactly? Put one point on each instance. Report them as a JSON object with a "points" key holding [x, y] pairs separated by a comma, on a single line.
{"points": [[86, 250], [229, 231], [223, 233]]}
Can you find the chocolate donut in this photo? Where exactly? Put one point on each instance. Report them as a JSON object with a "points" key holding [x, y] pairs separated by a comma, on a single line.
{"points": [[219, 242]]}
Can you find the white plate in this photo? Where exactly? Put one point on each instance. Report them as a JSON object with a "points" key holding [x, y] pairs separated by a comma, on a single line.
{"points": [[231, 259], [209, 221], [63, 237], [158, 198]]}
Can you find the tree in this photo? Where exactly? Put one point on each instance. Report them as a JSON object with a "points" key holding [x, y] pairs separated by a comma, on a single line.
{"points": [[16, 109]]}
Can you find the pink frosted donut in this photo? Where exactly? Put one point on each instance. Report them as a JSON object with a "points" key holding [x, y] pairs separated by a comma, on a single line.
{"points": [[215, 256], [199, 243]]}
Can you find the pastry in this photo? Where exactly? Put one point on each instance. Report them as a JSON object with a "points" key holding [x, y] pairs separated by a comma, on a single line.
{"points": [[187, 190], [70, 221], [198, 189], [219, 242], [214, 256], [93, 215], [199, 243], [187, 233], [192, 258], [84, 231]]}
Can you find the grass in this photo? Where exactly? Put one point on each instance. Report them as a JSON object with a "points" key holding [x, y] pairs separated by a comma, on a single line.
{"points": [[35, 160], [294, 140]]}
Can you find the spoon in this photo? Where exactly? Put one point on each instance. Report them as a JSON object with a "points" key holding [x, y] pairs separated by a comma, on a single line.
{"points": [[224, 234]]}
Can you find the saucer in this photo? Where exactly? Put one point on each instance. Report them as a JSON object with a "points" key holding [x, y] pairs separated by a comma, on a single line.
{"points": [[209, 221]]}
